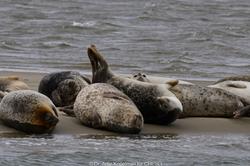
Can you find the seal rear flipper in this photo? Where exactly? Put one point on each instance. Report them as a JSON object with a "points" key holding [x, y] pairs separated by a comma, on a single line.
{"points": [[2, 94], [172, 83], [69, 110], [245, 111]]}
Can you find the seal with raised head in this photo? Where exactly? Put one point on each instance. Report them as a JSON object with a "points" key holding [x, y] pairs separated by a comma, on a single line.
{"points": [[200, 101], [103, 106], [156, 103], [63, 87], [28, 111], [154, 79]]}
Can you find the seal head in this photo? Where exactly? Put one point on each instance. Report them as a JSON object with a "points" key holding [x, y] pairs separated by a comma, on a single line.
{"points": [[28, 111], [62, 87]]}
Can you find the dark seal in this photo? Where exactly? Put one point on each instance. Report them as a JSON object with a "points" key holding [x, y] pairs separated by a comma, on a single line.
{"points": [[156, 103], [63, 87]]}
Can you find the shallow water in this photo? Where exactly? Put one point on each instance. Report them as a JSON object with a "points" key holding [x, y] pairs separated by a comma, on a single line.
{"points": [[188, 39], [107, 150], [195, 39]]}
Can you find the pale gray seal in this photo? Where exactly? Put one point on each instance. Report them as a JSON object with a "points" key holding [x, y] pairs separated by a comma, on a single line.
{"points": [[12, 83], [103, 106], [200, 101], [239, 88], [235, 78], [63, 87], [156, 103], [154, 79], [28, 111]]}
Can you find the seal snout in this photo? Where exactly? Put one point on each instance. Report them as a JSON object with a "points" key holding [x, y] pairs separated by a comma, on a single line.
{"points": [[51, 119], [170, 103]]}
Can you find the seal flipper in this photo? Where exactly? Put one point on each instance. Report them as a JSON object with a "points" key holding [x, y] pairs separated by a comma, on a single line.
{"points": [[2, 94], [69, 110], [236, 85], [100, 68], [245, 111], [172, 83]]}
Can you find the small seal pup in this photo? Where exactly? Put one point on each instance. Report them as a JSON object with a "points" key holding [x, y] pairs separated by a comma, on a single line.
{"points": [[156, 103], [62, 87], [28, 111], [103, 106], [157, 80], [200, 101]]}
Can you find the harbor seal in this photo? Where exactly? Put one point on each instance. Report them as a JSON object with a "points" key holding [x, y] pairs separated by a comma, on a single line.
{"points": [[200, 101], [239, 88], [235, 78], [156, 103], [12, 83], [28, 111], [154, 79], [63, 87], [103, 106]]}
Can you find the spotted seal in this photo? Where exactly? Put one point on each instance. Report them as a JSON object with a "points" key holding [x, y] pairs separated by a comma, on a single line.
{"points": [[12, 83], [200, 101], [103, 106], [239, 88], [62, 87], [153, 79], [28, 111], [235, 78], [156, 103]]}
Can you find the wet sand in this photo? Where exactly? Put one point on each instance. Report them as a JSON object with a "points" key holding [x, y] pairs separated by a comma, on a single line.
{"points": [[69, 125]]}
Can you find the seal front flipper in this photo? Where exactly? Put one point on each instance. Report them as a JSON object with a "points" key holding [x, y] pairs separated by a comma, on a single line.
{"points": [[236, 85], [245, 111], [69, 110]]}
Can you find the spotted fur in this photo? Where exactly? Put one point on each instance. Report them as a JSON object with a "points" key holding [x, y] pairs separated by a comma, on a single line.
{"points": [[62, 87], [28, 111], [103, 106], [156, 103]]}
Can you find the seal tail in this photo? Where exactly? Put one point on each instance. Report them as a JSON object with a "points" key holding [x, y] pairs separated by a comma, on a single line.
{"points": [[69, 110], [100, 68]]}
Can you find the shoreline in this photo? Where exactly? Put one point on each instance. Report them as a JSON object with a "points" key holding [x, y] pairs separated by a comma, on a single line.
{"points": [[68, 125]]}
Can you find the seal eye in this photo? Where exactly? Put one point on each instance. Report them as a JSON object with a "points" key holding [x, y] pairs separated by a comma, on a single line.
{"points": [[143, 75], [135, 76]]}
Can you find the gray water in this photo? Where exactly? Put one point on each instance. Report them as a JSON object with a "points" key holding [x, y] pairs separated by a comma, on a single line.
{"points": [[188, 39], [126, 151]]}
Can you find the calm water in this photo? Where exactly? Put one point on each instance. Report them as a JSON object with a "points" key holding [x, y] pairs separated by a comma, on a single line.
{"points": [[188, 39]]}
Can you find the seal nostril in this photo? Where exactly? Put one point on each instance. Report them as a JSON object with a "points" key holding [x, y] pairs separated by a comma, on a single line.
{"points": [[51, 119]]}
